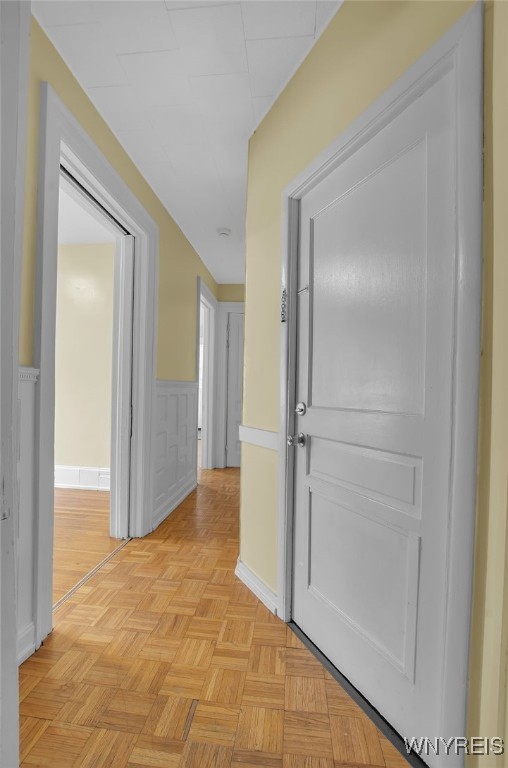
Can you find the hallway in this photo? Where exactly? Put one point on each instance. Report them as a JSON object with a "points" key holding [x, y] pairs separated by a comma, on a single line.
{"points": [[164, 658]]}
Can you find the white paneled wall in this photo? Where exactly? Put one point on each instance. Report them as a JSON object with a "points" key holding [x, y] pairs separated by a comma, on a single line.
{"points": [[175, 445], [26, 520], [175, 476]]}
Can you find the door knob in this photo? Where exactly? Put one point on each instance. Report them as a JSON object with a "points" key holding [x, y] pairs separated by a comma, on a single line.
{"points": [[301, 409], [298, 440]]}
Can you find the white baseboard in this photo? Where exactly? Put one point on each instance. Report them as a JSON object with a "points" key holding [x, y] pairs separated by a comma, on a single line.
{"points": [[84, 478], [26, 642], [256, 586], [173, 501]]}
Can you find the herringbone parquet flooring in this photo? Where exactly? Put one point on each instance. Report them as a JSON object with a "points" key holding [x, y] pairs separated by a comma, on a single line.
{"points": [[163, 659]]}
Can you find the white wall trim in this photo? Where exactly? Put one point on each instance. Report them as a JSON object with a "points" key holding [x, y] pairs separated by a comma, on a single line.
{"points": [[264, 438], [25, 523], [258, 587], [461, 49], [225, 307], [209, 400], [63, 140], [26, 643], [173, 501], [175, 446], [28, 374], [84, 478]]}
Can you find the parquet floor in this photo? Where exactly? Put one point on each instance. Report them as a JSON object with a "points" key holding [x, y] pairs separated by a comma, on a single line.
{"points": [[81, 538], [163, 659]]}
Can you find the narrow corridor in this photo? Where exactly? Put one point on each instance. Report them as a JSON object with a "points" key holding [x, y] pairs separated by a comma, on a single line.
{"points": [[164, 658]]}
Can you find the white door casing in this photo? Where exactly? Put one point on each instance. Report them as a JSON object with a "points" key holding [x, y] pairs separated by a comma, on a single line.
{"points": [[121, 389], [14, 58], [235, 336], [207, 304], [63, 141], [391, 321]]}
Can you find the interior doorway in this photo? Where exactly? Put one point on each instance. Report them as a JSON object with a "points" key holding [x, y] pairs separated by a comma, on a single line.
{"points": [[89, 245], [206, 377]]}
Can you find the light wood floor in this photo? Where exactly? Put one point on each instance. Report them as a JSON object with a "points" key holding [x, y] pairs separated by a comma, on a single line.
{"points": [[81, 539], [164, 659]]}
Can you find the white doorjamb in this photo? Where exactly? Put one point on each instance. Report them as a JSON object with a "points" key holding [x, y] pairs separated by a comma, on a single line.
{"points": [[14, 58], [207, 300], [121, 358], [64, 141], [460, 51], [225, 307]]}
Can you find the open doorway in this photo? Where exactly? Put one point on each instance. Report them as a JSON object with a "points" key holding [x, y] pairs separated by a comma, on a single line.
{"points": [[88, 247], [206, 377]]}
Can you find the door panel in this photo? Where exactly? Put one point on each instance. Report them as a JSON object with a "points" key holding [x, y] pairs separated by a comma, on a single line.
{"points": [[376, 277], [235, 388]]}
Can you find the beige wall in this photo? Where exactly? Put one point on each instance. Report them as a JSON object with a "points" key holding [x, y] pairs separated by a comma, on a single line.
{"points": [[363, 51], [84, 348], [179, 265], [230, 292]]}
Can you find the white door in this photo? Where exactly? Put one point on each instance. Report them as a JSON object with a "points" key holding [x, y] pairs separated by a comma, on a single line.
{"points": [[235, 388], [375, 352]]}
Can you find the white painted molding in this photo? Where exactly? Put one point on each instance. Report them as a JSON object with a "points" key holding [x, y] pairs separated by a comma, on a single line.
{"points": [[173, 501], [63, 141], [84, 478], [174, 446], [28, 374], [25, 526], [26, 643], [256, 586], [461, 50], [225, 307], [264, 438]]}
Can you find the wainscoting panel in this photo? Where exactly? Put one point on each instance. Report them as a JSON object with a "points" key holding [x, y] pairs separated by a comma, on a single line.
{"points": [[26, 518], [175, 445]]}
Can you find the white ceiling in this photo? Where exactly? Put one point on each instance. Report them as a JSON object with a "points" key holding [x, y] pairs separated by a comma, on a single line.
{"points": [[183, 85], [77, 226]]}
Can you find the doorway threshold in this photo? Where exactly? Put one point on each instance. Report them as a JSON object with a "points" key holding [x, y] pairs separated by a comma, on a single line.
{"points": [[379, 721], [89, 575]]}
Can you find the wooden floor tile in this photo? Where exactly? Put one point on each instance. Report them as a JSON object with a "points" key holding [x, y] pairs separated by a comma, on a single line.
{"points": [[164, 659], [305, 694], [59, 746], [106, 749], [215, 723], [199, 755], [260, 729], [307, 734], [156, 752]]}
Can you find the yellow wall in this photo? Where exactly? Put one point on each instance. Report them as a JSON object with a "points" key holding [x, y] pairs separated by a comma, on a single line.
{"points": [[230, 292], [363, 51], [179, 265], [84, 349]]}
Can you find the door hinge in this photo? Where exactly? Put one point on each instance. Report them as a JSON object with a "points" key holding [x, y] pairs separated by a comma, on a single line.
{"points": [[227, 336], [6, 510], [131, 422], [284, 306]]}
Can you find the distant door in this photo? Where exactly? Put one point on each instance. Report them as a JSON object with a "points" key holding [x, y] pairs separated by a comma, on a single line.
{"points": [[376, 285], [235, 388]]}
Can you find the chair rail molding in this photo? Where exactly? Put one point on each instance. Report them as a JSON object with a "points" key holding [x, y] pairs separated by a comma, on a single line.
{"points": [[264, 438]]}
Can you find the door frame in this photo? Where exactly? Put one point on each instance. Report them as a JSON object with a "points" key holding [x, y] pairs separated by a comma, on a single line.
{"points": [[225, 307], [14, 53], [64, 141], [121, 360], [460, 50], [208, 399]]}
